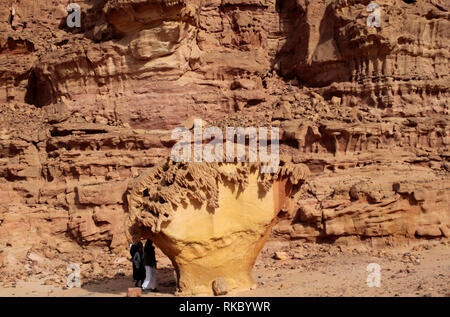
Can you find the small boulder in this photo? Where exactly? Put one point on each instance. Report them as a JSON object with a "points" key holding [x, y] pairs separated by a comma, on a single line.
{"points": [[336, 101], [219, 286], [281, 255], [134, 292], [190, 124], [284, 111]]}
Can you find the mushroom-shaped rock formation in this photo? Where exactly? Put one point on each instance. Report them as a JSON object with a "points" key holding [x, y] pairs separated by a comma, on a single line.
{"points": [[210, 219]]}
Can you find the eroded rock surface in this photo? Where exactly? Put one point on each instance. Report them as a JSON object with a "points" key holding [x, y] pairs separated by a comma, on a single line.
{"points": [[85, 110], [210, 219]]}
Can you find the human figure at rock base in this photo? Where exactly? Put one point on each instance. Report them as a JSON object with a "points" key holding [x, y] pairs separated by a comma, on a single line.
{"points": [[150, 267], [137, 256]]}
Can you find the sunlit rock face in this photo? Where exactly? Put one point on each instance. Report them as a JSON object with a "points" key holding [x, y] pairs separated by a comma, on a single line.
{"points": [[390, 66], [210, 219], [84, 110]]}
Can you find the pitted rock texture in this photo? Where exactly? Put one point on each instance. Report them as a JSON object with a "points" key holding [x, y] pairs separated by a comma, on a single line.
{"points": [[210, 219], [85, 110]]}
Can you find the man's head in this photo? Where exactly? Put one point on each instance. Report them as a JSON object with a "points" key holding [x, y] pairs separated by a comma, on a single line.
{"points": [[148, 244]]}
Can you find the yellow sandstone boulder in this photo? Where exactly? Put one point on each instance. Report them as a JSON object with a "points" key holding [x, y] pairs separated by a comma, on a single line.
{"points": [[210, 219]]}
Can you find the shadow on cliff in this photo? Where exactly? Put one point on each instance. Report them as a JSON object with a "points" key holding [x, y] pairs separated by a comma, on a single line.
{"points": [[292, 23], [166, 283], [313, 64]]}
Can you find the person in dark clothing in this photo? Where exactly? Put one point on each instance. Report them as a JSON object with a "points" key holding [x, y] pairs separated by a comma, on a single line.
{"points": [[137, 256], [133, 249], [150, 267]]}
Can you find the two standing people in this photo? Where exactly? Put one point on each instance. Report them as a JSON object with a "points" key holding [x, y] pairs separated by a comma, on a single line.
{"points": [[144, 265]]}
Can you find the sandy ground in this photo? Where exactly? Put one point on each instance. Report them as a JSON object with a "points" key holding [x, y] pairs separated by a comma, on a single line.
{"points": [[422, 269]]}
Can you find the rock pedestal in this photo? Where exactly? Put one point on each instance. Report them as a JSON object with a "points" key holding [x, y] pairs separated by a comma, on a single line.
{"points": [[215, 229]]}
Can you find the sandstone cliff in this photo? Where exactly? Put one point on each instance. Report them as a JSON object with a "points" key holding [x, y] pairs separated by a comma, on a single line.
{"points": [[85, 110]]}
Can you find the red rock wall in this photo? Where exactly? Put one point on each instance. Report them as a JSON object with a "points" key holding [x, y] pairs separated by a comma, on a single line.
{"points": [[84, 110]]}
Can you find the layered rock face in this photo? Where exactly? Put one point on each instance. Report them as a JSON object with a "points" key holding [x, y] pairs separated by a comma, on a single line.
{"points": [[85, 110]]}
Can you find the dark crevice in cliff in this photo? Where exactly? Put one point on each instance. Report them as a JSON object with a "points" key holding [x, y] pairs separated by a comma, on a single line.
{"points": [[31, 93], [38, 92], [16, 46], [11, 17], [291, 18]]}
